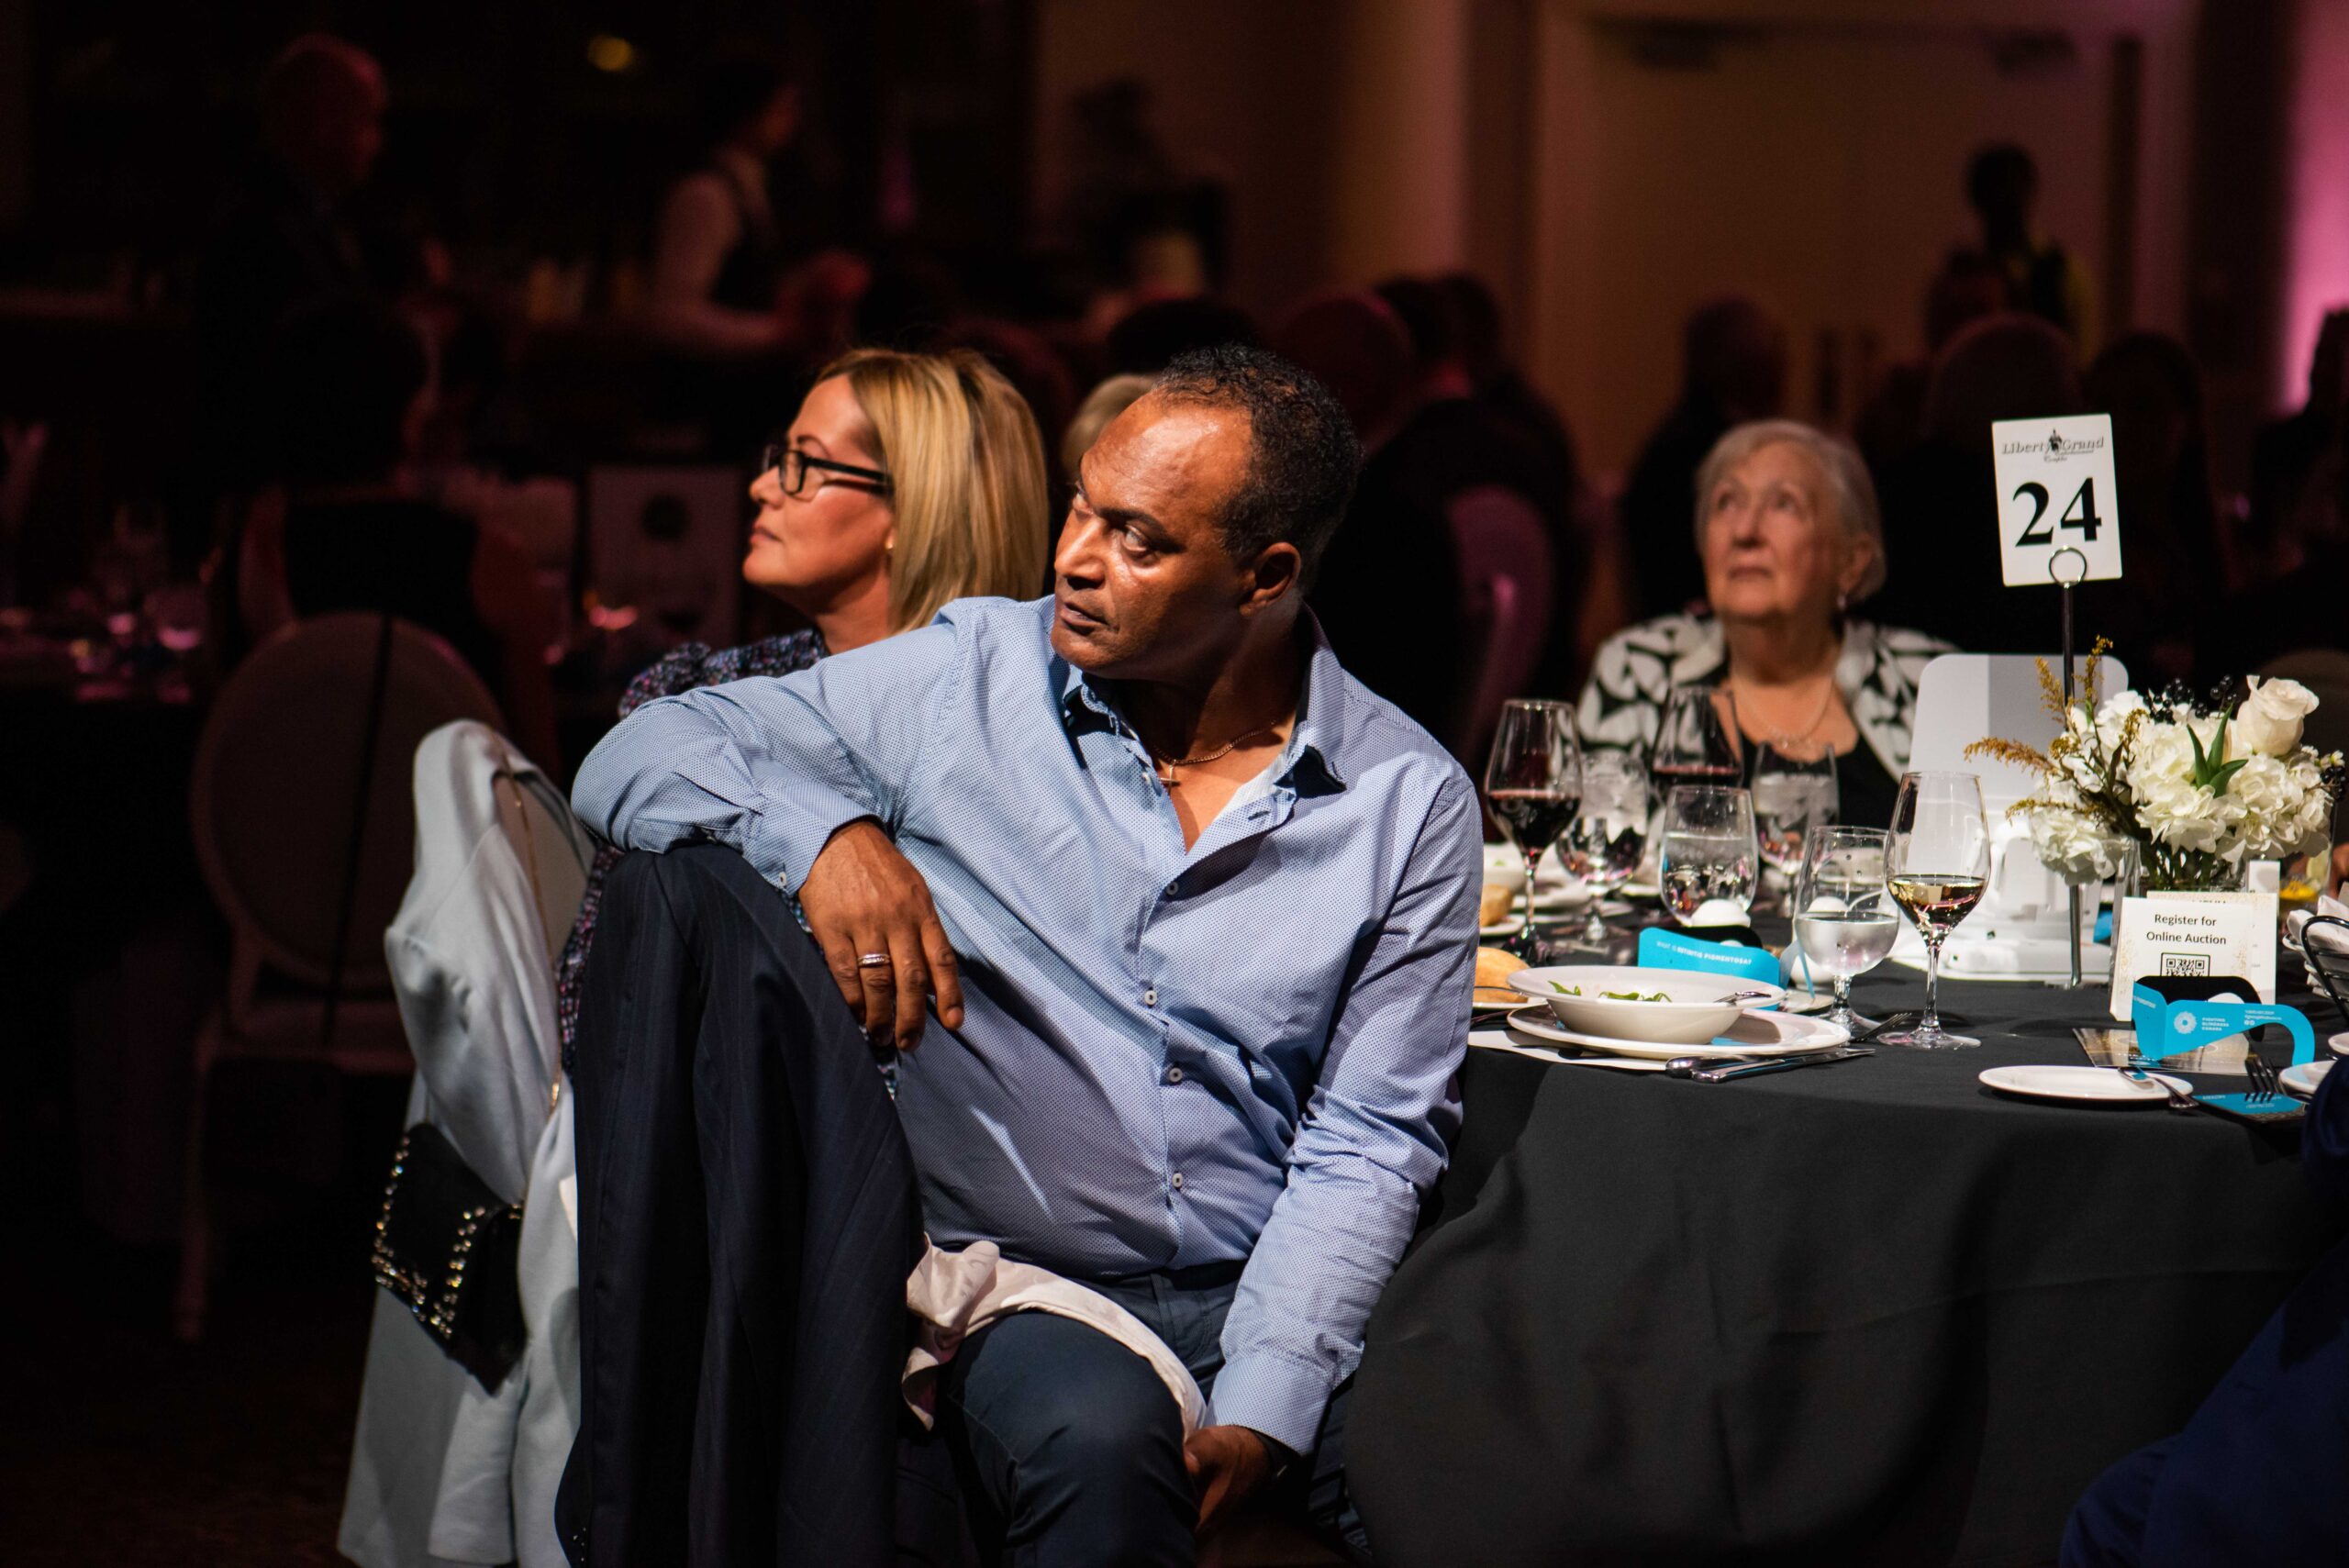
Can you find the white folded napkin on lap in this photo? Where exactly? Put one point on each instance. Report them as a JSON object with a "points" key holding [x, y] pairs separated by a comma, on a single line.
{"points": [[953, 1295]]}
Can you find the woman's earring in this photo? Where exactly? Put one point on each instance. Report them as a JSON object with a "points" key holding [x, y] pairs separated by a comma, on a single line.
{"points": [[1842, 601]]}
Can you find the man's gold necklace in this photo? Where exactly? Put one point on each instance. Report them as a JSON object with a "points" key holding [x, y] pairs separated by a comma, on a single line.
{"points": [[1171, 765]]}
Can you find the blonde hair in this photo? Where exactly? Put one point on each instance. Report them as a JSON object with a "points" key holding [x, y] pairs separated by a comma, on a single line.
{"points": [[1101, 405], [967, 477], [1851, 494]]}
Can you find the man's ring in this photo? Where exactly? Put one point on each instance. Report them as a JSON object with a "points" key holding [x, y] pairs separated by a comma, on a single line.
{"points": [[872, 960]]}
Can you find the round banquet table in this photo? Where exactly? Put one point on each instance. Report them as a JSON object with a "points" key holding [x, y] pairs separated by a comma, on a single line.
{"points": [[1865, 1313]]}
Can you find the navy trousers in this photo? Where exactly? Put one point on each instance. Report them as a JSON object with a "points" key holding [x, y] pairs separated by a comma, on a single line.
{"points": [[1069, 1450], [747, 1216], [2256, 1476]]}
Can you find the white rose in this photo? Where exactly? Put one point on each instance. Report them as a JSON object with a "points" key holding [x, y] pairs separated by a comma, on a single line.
{"points": [[2269, 722]]}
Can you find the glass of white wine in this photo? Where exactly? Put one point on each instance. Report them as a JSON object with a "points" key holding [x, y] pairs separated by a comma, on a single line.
{"points": [[1843, 915], [1708, 862], [1937, 865]]}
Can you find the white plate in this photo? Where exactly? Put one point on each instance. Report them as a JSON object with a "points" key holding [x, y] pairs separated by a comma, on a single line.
{"points": [[2303, 1079], [1525, 1045], [1755, 1034], [2103, 1086], [1800, 1002], [1691, 1012], [1507, 926]]}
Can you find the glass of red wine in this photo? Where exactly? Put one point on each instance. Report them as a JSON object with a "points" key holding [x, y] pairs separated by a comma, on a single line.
{"points": [[1533, 787], [1694, 744]]}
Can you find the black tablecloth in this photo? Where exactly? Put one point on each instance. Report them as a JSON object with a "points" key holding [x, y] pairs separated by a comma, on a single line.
{"points": [[1865, 1312]]}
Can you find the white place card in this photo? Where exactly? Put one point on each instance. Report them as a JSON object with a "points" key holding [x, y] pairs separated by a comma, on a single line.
{"points": [[2194, 934], [2056, 493]]}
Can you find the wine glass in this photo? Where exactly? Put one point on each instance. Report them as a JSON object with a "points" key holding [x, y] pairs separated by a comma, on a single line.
{"points": [[1794, 791], [1608, 836], [1693, 743], [1937, 866], [1708, 855], [1843, 915], [1534, 786]]}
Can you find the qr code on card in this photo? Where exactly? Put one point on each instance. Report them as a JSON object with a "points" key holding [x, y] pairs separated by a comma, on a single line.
{"points": [[2185, 963]]}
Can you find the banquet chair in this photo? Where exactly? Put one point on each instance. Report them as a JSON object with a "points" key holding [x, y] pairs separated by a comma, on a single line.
{"points": [[2325, 950], [443, 1466], [299, 809], [1505, 581]]}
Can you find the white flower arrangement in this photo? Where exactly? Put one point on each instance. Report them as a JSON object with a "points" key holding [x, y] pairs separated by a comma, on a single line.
{"points": [[2200, 791]]}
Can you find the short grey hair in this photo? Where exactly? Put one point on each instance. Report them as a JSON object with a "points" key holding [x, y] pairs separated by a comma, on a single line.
{"points": [[1850, 491]]}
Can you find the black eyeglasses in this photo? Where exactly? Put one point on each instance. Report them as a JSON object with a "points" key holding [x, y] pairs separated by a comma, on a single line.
{"points": [[796, 464]]}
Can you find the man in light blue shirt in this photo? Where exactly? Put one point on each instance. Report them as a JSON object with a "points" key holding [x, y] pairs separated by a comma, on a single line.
{"points": [[1197, 913]]}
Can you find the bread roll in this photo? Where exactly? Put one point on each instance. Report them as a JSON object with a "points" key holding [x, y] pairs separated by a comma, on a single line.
{"points": [[1495, 965], [1494, 904]]}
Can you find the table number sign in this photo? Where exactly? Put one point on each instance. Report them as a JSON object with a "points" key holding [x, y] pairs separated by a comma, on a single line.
{"points": [[2194, 935], [2056, 497]]}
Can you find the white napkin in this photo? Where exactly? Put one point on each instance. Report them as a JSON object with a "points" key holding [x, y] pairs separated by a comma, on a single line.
{"points": [[2299, 919]]}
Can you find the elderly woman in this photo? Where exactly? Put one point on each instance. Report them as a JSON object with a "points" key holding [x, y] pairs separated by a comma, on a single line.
{"points": [[1787, 531]]}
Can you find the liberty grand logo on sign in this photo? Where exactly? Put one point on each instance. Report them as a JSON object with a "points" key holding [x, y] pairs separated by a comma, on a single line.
{"points": [[2055, 447]]}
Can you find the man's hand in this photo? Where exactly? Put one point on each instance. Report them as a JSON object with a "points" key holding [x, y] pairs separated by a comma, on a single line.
{"points": [[863, 899], [1226, 1465]]}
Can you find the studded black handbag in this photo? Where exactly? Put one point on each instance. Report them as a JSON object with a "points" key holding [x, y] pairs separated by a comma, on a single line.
{"points": [[446, 1244]]}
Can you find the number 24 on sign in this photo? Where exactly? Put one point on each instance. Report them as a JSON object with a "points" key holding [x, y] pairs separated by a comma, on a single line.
{"points": [[2059, 510]]}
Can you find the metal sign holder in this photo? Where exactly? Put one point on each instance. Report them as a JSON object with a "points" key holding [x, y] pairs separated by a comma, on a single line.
{"points": [[2065, 587]]}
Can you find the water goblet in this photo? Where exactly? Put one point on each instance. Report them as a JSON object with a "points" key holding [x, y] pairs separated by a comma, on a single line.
{"points": [[1794, 791], [1608, 836], [1708, 857], [1843, 916]]}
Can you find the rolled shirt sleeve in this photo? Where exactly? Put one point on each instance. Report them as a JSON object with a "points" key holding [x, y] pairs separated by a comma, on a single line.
{"points": [[774, 766], [1376, 1135]]}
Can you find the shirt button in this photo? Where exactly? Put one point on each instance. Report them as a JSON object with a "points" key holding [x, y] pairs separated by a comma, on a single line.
{"points": [[1150, 997], [1178, 1181], [1174, 1074]]}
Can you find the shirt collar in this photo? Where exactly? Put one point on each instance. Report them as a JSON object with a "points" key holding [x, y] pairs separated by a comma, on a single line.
{"points": [[1313, 746]]}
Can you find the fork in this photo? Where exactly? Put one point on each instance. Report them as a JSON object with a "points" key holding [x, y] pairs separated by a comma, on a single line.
{"points": [[2264, 1083], [2180, 1100]]}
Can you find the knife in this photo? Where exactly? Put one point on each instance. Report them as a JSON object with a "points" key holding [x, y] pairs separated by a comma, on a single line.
{"points": [[1713, 1069]]}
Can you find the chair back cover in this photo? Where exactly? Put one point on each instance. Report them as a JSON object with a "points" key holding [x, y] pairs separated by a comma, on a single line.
{"points": [[278, 789]]}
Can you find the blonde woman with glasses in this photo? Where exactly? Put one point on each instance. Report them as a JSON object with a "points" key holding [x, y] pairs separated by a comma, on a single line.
{"points": [[906, 480]]}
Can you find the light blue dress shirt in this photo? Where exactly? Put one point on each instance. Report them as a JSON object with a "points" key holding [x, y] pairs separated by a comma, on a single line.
{"points": [[1169, 1057]]}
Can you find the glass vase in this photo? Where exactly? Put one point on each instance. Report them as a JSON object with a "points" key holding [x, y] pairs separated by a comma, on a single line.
{"points": [[2164, 868]]}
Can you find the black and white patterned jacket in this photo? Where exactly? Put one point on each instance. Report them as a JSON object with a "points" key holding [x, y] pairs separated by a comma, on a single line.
{"points": [[1636, 669]]}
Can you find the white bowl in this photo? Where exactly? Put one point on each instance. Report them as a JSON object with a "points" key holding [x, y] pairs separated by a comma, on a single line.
{"points": [[1691, 1012]]}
